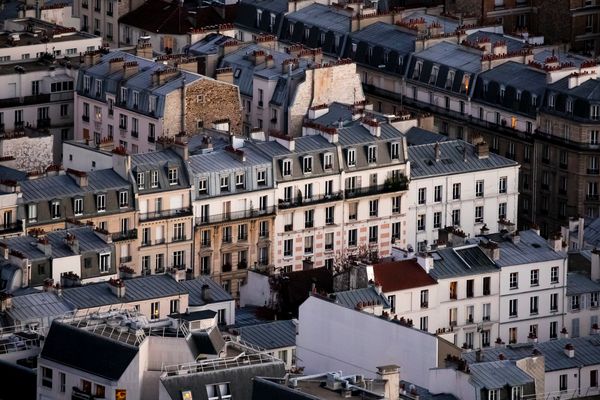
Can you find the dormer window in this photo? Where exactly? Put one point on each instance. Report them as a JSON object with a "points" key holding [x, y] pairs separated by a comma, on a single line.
{"points": [[287, 167], [87, 83], [136, 98], [173, 176], [569, 105], [261, 177], [78, 206], [140, 180], [328, 161], [595, 112], [98, 87], [434, 75], [239, 181], [154, 180], [465, 83], [395, 151], [101, 202], [202, 186], [534, 100], [551, 101], [55, 209], [372, 154], [152, 104], [307, 163], [418, 68], [449, 79], [123, 198], [123, 94], [518, 95], [351, 157], [224, 183], [502, 92]]}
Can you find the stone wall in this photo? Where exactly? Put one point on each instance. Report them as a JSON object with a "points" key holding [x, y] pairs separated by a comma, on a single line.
{"points": [[30, 153], [324, 85]]}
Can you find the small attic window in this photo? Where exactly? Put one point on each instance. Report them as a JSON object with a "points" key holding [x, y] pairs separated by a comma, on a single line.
{"points": [[237, 73]]}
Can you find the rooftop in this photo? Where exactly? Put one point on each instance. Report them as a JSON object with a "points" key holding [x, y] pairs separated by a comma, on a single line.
{"points": [[580, 284], [518, 76], [453, 56], [456, 157], [270, 335], [367, 296], [498, 374], [387, 36], [322, 16], [38, 306], [31, 31], [531, 248], [461, 261], [194, 288], [401, 275]]}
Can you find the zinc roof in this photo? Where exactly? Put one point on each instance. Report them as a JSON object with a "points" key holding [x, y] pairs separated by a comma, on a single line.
{"points": [[461, 261], [579, 284], [38, 305], [531, 248], [322, 16], [350, 298], [194, 288], [498, 374], [270, 335], [454, 56]]}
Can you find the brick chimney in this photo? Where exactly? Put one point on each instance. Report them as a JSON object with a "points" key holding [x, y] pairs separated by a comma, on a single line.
{"points": [[115, 64], [391, 375], [130, 68], [43, 245], [482, 149], [91, 58], [144, 49], [80, 177], [117, 287], [160, 77]]}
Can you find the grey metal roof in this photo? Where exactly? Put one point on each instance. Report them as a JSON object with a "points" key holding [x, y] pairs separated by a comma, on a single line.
{"points": [[563, 57], [591, 233], [448, 25], [137, 289], [461, 261], [87, 238], [452, 55], [518, 76], [60, 186], [350, 298], [209, 45], [388, 36], [271, 335], [11, 173], [498, 374], [416, 136], [278, 6], [579, 284], [194, 288], [425, 394], [320, 15], [37, 306], [587, 353], [248, 315], [511, 43], [206, 342], [223, 160], [452, 159], [531, 248], [589, 90]]}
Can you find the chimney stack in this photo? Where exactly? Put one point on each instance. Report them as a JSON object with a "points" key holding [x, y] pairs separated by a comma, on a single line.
{"points": [[425, 260], [482, 149], [391, 375], [117, 287], [115, 64], [438, 151], [206, 293]]}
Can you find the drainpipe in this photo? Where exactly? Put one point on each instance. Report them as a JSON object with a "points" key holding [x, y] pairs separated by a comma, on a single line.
{"points": [[182, 102]]}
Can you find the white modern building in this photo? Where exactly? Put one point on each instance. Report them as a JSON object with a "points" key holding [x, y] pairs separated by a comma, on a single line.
{"points": [[459, 185]]}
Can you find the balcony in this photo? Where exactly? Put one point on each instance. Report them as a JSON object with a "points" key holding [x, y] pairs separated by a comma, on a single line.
{"points": [[205, 243], [6, 229], [377, 189], [85, 118], [25, 100], [226, 267], [232, 216], [592, 197], [593, 171], [175, 213], [44, 123], [305, 201], [79, 394], [179, 238], [130, 234], [309, 224], [135, 134], [242, 265], [151, 139], [125, 259], [288, 227]]}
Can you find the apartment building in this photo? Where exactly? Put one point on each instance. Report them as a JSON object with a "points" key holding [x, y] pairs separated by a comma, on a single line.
{"points": [[62, 257], [161, 189], [101, 18], [456, 184], [533, 282], [11, 224], [56, 13], [234, 205], [339, 187], [130, 101]]}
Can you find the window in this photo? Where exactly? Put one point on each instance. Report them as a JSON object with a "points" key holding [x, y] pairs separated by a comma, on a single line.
{"points": [[553, 329], [63, 381], [421, 222], [395, 151], [424, 323], [594, 137], [104, 263], [562, 382], [534, 277], [437, 193], [594, 378], [78, 206], [308, 244], [55, 209], [220, 391], [309, 218], [513, 308], [373, 234], [140, 180], [478, 214], [155, 310], [594, 299], [396, 202], [574, 303], [456, 217], [453, 290], [351, 157], [47, 377], [373, 208], [308, 191], [422, 195], [486, 285], [533, 305], [554, 275], [514, 280], [261, 177], [470, 288], [424, 298], [307, 163], [123, 199], [202, 186], [456, 191], [179, 258], [502, 211], [101, 202], [553, 302], [173, 178], [487, 311], [437, 219], [502, 184], [352, 211], [396, 230], [288, 247], [224, 183], [178, 231], [329, 241], [287, 167], [372, 154], [352, 237], [330, 215]]}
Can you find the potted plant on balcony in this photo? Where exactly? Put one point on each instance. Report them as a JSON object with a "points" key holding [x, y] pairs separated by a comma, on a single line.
{"points": [[595, 329], [126, 272], [499, 342], [564, 333], [532, 338]]}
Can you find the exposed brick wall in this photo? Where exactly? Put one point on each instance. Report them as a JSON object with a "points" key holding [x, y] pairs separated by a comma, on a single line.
{"points": [[217, 101], [553, 13]]}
